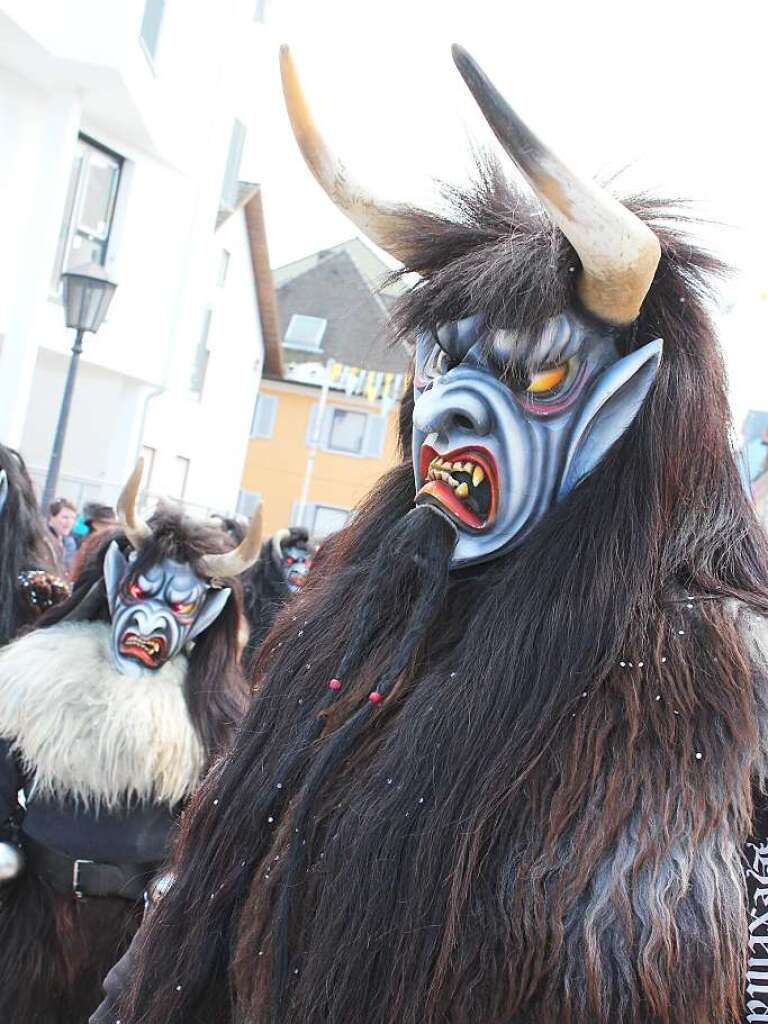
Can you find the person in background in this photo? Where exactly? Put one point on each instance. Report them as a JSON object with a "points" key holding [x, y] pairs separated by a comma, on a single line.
{"points": [[280, 572], [61, 519], [110, 712], [98, 517], [30, 573], [95, 520]]}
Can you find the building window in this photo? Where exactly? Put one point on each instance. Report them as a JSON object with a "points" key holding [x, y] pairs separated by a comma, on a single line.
{"points": [[177, 484], [223, 267], [247, 503], [264, 414], [305, 332], [347, 431], [327, 519], [232, 170], [150, 27], [90, 208], [202, 355]]}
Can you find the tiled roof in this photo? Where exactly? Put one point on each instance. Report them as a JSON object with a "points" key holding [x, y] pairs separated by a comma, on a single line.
{"points": [[372, 268], [332, 285]]}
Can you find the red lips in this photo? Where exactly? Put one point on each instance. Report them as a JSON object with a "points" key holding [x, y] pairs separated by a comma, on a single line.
{"points": [[148, 650], [473, 505]]}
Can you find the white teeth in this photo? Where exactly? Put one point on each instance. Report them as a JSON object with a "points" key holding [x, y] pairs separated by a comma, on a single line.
{"points": [[440, 469]]}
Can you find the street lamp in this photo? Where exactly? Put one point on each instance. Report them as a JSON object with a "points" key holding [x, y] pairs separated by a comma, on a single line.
{"points": [[88, 291]]}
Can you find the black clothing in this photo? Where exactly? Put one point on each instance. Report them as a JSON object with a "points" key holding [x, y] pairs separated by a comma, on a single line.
{"points": [[130, 834]]}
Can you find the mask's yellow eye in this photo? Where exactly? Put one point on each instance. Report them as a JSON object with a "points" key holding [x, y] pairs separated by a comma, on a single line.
{"points": [[184, 607], [548, 379]]}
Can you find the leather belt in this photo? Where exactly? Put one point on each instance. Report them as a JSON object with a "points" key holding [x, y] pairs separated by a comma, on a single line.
{"points": [[80, 878]]}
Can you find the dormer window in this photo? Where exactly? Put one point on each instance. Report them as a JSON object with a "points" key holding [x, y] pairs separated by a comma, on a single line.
{"points": [[305, 333]]}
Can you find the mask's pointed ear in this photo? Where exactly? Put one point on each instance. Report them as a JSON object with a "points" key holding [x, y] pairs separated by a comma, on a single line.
{"points": [[213, 607], [115, 568], [609, 411], [3, 488]]}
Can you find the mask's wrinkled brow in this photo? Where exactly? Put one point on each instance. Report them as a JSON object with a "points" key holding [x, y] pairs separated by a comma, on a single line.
{"points": [[458, 337], [558, 341], [512, 350]]}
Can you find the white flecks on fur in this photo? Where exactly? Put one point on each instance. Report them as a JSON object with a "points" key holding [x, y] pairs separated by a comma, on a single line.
{"points": [[88, 732]]}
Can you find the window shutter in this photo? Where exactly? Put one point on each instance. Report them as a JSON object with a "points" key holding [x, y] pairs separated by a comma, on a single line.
{"points": [[264, 415], [325, 427], [312, 423], [232, 170], [150, 25], [375, 435]]}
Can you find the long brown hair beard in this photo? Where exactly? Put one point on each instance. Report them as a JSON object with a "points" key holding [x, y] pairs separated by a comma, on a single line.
{"points": [[523, 831], [499, 844]]}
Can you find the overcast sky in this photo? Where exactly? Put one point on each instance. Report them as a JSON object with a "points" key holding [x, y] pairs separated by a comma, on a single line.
{"points": [[674, 91]]}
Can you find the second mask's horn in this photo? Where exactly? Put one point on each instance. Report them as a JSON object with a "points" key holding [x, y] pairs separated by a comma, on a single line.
{"points": [[136, 530], [233, 563]]}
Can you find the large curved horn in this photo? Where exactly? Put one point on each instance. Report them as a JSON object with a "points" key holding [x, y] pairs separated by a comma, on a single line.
{"points": [[378, 219], [233, 563], [618, 252], [136, 530]]}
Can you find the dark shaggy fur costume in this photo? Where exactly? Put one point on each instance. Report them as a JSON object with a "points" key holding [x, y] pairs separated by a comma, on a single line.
{"points": [[265, 590], [56, 950], [543, 818], [23, 545], [215, 690]]}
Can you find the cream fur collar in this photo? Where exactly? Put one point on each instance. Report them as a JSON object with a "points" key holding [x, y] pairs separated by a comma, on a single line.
{"points": [[86, 731]]}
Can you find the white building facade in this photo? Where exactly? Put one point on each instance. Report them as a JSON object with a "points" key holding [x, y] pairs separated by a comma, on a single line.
{"points": [[121, 129]]}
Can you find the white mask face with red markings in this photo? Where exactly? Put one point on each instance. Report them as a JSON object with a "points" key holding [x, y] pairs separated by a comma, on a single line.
{"points": [[505, 425], [155, 612]]}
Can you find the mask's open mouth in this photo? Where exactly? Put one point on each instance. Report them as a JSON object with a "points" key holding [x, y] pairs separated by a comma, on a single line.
{"points": [[149, 650], [463, 482]]}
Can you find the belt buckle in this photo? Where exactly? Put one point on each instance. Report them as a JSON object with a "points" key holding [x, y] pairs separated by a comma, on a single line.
{"points": [[76, 877]]}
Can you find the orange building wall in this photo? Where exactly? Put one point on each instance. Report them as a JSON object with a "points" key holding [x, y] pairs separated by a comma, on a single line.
{"points": [[275, 467]]}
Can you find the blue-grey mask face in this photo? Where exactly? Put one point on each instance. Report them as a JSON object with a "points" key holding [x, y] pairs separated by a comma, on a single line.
{"points": [[296, 562], [155, 613], [3, 489], [498, 439]]}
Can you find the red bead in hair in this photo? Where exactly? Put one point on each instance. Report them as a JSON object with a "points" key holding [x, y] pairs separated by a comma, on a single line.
{"points": [[335, 684], [375, 697]]}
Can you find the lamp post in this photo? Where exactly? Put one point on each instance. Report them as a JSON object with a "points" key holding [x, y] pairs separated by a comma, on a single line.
{"points": [[88, 291]]}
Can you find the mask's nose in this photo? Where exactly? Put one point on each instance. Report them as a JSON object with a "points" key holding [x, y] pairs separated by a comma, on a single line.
{"points": [[452, 408], [148, 619]]}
